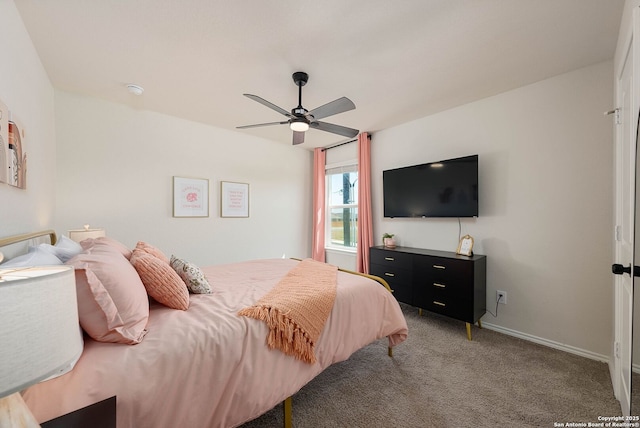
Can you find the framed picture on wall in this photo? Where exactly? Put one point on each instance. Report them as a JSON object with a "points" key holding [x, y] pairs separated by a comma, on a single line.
{"points": [[190, 197], [234, 199], [4, 143], [17, 153]]}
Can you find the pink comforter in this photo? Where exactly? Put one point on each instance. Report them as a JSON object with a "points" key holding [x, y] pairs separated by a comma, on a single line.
{"points": [[209, 367]]}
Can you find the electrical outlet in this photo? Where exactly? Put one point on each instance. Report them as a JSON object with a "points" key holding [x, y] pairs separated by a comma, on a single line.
{"points": [[501, 297]]}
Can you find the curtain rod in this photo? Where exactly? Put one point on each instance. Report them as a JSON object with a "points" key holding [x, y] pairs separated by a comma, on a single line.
{"points": [[342, 144]]}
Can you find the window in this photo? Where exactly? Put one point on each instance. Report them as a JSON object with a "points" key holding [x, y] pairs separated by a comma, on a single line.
{"points": [[342, 207]]}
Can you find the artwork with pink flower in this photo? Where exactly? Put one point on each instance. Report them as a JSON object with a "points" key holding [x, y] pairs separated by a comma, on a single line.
{"points": [[190, 197]]}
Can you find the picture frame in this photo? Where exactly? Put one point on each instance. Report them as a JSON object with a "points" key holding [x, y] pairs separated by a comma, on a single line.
{"points": [[465, 247], [16, 154], [190, 197], [234, 199], [4, 143]]}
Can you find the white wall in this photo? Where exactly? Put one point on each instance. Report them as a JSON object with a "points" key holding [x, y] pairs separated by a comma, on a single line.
{"points": [[545, 223], [116, 165], [26, 90]]}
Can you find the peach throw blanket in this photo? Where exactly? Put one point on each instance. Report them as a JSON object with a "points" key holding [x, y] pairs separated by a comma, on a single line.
{"points": [[297, 308]]}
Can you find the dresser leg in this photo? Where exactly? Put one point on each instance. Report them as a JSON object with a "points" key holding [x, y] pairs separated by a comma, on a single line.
{"points": [[420, 311], [479, 324], [468, 331], [390, 352]]}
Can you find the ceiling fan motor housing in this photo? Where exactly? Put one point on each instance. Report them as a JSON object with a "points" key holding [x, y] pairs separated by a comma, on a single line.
{"points": [[300, 112], [300, 78]]}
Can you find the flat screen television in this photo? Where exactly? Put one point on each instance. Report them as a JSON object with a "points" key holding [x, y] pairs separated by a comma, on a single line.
{"points": [[447, 188]]}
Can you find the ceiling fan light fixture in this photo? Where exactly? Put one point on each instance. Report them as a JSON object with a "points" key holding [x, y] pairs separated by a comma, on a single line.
{"points": [[299, 125]]}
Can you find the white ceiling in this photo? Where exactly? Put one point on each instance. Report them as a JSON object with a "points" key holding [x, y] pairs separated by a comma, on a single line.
{"points": [[397, 60]]}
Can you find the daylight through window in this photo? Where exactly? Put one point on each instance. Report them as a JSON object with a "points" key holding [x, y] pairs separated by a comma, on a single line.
{"points": [[342, 207]]}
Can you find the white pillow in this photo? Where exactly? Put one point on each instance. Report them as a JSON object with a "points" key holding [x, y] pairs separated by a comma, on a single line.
{"points": [[64, 249], [35, 257]]}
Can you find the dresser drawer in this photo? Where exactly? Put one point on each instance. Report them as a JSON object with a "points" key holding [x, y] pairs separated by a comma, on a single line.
{"points": [[443, 266], [450, 287], [459, 309], [390, 258], [453, 274], [398, 279]]}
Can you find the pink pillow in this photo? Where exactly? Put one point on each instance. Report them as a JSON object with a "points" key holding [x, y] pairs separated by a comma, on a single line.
{"points": [[147, 248], [105, 240], [160, 280], [112, 302]]}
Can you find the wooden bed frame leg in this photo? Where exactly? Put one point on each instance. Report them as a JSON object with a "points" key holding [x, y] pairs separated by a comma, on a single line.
{"points": [[288, 423]]}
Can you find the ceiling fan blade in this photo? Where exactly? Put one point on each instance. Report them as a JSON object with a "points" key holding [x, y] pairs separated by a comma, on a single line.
{"points": [[261, 124], [334, 107], [268, 104], [336, 129], [298, 137]]}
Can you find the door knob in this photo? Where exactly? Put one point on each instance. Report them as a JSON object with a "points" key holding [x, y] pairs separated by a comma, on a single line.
{"points": [[618, 269]]}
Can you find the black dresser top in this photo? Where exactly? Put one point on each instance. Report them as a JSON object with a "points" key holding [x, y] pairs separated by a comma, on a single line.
{"points": [[435, 253]]}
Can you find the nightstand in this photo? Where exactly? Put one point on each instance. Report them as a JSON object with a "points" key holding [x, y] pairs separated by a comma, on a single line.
{"points": [[98, 415]]}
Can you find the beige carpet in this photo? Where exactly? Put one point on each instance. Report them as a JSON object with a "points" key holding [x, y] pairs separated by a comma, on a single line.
{"points": [[437, 378]]}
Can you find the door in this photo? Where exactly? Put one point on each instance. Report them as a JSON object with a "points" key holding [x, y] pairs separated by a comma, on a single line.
{"points": [[626, 118]]}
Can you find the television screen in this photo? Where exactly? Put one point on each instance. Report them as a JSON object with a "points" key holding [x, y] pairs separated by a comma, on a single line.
{"points": [[448, 188]]}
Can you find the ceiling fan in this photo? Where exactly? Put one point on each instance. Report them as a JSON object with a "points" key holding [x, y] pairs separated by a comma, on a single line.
{"points": [[301, 119]]}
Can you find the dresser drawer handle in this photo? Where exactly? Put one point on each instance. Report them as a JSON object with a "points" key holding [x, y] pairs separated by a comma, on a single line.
{"points": [[439, 267], [389, 274], [439, 285], [438, 303], [389, 258]]}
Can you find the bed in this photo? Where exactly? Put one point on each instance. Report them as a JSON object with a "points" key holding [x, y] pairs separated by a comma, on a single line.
{"points": [[207, 366]]}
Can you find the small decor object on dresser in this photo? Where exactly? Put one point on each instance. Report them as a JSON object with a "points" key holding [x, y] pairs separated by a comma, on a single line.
{"points": [[388, 240], [465, 247]]}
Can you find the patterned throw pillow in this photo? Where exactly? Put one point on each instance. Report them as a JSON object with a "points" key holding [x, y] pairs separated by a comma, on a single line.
{"points": [[191, 275]]}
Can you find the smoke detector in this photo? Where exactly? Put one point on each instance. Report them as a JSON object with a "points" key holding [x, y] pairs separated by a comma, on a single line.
{"points": [[135, 89]]}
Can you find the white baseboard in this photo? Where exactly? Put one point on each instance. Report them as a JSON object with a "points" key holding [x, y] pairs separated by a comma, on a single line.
{"points": [[547, 342]]}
